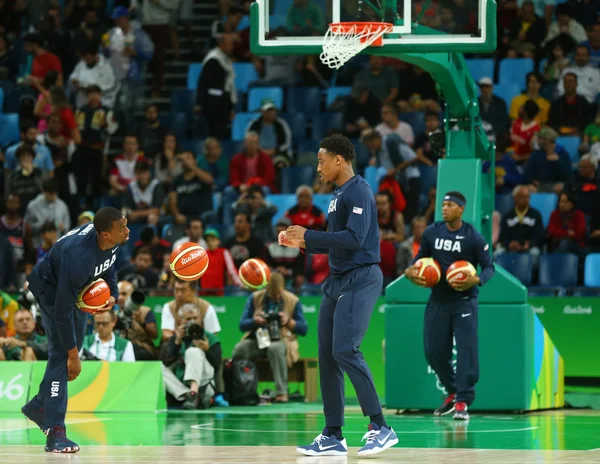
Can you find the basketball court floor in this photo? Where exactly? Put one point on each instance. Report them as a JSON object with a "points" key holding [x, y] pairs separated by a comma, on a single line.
{"points": [[269, 434]]}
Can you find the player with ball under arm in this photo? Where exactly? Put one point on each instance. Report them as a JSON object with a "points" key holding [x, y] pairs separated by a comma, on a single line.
{"points": [[452, 307]]}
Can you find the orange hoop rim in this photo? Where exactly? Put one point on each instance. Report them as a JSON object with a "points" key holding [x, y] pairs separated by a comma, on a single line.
{"points": [[361, 26]]}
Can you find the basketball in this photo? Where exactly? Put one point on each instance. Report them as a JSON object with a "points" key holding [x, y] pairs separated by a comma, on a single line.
{"points": [[254, 274], [189, 261], [95, 295], [458, 271], [430, 269]]}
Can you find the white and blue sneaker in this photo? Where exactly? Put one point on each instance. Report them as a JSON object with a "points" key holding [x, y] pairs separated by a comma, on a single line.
{"points": [[378, 440], [325, 446]]}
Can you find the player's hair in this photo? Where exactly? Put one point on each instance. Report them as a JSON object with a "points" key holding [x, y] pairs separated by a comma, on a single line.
{"points": [[338, 144], [130, 135], [458, 195], [104, 218], [534, 74], [192, 284]]}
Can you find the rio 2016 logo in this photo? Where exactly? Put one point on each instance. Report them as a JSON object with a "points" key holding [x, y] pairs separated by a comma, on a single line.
{"points": [[438, 384], [13, 391]]}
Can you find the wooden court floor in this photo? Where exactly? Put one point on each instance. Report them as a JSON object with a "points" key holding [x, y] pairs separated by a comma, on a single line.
{"points": [[269, 435]]}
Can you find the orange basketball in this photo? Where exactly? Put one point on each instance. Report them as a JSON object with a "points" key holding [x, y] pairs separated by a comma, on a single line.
{"points": [[459, 270], [254, 274], [430, 269], [93, 296], [189, 261]]}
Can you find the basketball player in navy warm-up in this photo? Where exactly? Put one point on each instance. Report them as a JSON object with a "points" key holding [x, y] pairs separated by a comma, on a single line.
{"points": [[83, 255], [349, 294], [452, 307]]}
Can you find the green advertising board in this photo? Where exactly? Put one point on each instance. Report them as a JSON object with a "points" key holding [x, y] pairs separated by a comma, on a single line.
{"points": [[15, 378]]}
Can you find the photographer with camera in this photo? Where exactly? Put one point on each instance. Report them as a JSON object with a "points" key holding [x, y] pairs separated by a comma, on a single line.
{"points": [[105, 345], [136, 322], [273, 319], [193, 356], [27, 344]]}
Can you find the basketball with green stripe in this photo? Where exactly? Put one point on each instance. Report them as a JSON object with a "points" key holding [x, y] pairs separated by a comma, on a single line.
{"points": [[254, 274]]}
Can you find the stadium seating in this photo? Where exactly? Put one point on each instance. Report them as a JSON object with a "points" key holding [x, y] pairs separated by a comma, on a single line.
{"points": [[571, 144], [283, 202], [9, 129], [592, 270], [558, 270], [322, 200], [481, 67], [240, 122], [416, 120], [294, 176], [245, 74], [276, 21], [193, 75], [324, 122], [257, 95], [1, 99], [428, 177], [371, 177], [297, 123], [545, 203], [519, 265], [175, 122], [196, 146], [504, 203], [507, 92], [306, 100], [173, 232], [183, 101], [335, 92], [514, 71]]}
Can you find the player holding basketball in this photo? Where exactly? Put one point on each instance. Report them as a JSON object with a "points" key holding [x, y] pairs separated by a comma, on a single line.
{"points": [[350, 292], [452, 307], [83, 255]]}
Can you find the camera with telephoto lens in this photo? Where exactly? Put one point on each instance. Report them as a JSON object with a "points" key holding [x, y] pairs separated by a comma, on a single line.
{"points": [[133, 303], [193, 331], [273, 324], [437, 140], [86, 355]]}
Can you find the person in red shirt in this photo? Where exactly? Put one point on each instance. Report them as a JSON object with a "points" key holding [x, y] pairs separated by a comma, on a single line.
{"points": [[124, 171], [251, 166], [387, 251], [567, 226], [304, 213], [222, 268], [43, 60], [60, 106], [523, 131]]}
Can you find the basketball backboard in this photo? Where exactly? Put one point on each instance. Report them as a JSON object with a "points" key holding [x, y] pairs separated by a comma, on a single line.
{"points": [[280, 27]]}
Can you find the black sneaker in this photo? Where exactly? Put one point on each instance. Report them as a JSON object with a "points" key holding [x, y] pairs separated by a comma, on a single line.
{"points": [[447, 407], [191, 401], [460, 411]]}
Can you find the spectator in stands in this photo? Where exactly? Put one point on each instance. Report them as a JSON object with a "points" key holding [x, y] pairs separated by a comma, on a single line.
{"points": [[304, 213], [410, 247], [27, 344], [570, 113], [525, 35], [158, 246], [523, 130], [422, 144], [565, 29], [274, 134], [9, 64], [216, 93], [43, 60], [507, 172], [492, 107], [58, 38], [85, 218], [591, 135], [387, 251], [593, 244], [391, 222], [243, 245], [8, 310], [61, 106], [260, 211], [129, 50], [2, 328], [556, 64], [213, 162], [191, 193], [194, 231], [282, 350], [251, 166], [151, 133], [227, 24], [593, 44], [8, 276], [167, 164], [521, 228], [90, 31], [429, 211], [25, 182], [391, 124], [123, 172], [43, 104], [567, 227], [418, 91], [156, 17], [43, 157], [105, 345], [140, 272], [583, 186], [533, 82], [94, 69], [222, 268], [588, 76], [14, 227], [289, 262], [75, 12], [549, 167], [141, 329], [48, 237], [382, 81], [362, 111], [144, 196], [47, 207], [304, 18]]}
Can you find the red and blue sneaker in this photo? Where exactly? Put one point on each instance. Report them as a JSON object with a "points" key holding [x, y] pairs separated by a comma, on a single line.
{"points": [[35, 414], [461, 412], [325, 446], [447, 407], [57, 441], [378, 440]]}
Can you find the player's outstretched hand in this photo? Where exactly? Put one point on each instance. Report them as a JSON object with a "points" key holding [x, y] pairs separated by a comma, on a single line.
{"points": [[108, 306], [295, 233], [284, 240], [412, 274], [466, 284]]}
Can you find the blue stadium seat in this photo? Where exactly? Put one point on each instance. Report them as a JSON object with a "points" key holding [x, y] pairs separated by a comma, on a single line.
{"points": [[276, 21], [519, 265], [543, 291], [1, 99], [257, 95], [193, 75], [305, 100], [416, 120], [591, 270], [507, 92], [7, 87], [372, 178], [558, 270], [175, 122], [297, 123], [545, 203], [282, 6], [196, 146], [428, 177], [324, 122], [283, 202], [172, 232], [322, 200], [514, 71], [230, 148], [240, 122], [481, 67], [9, 129], [571, 144], [586, 292], [335, 92], [183, 101], [504, 203], [294, 176], [243, 24], [245, 74]]}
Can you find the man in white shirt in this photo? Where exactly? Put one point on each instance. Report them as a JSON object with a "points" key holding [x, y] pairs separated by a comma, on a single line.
{"points": [[392, 125], [94, 69], [104, 344], [195, 231], [588, 77]]}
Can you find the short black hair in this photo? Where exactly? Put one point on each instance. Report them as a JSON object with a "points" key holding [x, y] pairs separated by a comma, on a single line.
{"points": [[193, 219], [104, 218], [90, 48], [34, 38], [432, 114], [572, 74], [48, 226], [147, 235], [25, 149], [531, 109], [192, 284], [50, 185], [93, 89], [26, 125], [458, 195], [535, 74], [246, 215], [585, 47], [141, 166], [144, 251], [338, 144], [388, 194]]}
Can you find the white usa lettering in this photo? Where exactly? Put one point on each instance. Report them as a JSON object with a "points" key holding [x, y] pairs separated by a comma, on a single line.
{"points": [[104, 266], [54, 389], [332, 206], [447, 245]]}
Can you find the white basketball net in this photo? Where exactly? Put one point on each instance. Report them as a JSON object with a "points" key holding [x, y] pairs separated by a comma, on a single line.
{"points": [[343, 41]]}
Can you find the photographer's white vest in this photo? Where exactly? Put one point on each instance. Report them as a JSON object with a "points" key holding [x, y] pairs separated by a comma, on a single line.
{"points": [[289, 338]]}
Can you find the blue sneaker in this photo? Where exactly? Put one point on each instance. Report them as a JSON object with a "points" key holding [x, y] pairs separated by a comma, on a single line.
{"points": [[221, 401], [57, 441], [378, 440], [325, 446], [35, 414]]}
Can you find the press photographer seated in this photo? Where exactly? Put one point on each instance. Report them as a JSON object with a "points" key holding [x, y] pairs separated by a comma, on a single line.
{"points": [[27, 344], [105, 345], [273, 318], [192, 357]]}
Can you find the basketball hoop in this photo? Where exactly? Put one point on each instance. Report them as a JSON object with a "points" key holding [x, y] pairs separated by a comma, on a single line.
{"points": [[342, 41]]}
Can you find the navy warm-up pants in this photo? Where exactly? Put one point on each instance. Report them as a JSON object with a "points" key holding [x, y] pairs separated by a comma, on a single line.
{"points": [[52, 397], [344, 316], [445, 320]]}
